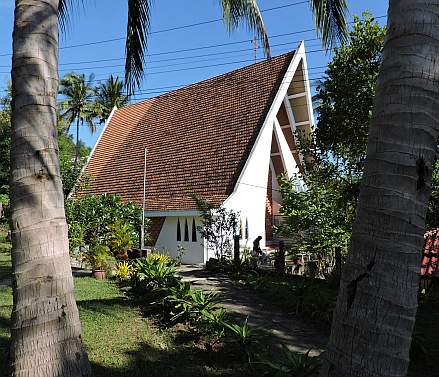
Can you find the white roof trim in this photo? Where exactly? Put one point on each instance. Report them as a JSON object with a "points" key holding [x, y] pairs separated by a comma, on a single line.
{"points": [[275, 105], [107, 122]]}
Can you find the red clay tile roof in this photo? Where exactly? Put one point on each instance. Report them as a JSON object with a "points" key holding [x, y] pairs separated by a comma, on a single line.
{"points": [[198, 139]]}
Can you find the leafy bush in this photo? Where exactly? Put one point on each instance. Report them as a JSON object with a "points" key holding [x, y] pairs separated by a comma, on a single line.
{"points": [[96, 215], [120, 237], [161, 258], [194, 306], [240, 333], [294, 364], [99, 256], [154, 273], [123, 271]]}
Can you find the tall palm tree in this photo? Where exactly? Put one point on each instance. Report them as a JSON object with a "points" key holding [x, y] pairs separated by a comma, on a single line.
{"points": [[45, 328], [377, 302], [109, 95], [78, 104]]}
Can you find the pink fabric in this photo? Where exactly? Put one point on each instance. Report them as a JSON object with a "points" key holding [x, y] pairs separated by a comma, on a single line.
{"points": [[430, 253]]}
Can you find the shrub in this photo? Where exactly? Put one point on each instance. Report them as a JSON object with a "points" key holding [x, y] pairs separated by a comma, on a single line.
{"points": [[294, 364], [154, 273], [155, 256], [96, 214], [188, 305], [240, 333], [123, 271], [120, 238], [99, 257]]}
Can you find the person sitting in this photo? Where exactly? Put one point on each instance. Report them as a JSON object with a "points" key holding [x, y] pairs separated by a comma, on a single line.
{"points": [[257, 251]]}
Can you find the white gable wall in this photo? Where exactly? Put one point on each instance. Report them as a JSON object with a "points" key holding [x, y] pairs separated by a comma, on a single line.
{"points": [[195, 251], [249, 196]]}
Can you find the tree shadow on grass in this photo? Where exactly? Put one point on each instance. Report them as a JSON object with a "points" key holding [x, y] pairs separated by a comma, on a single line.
{"points": [[105, 306], [184, 361]]}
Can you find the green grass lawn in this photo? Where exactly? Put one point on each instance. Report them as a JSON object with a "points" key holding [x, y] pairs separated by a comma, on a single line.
{"points": [[121, 342]]}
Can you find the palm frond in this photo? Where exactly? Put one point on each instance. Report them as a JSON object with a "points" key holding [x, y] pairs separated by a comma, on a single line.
{"points": [[247, 10], [330, 18], [139, 12], [65, 10]]}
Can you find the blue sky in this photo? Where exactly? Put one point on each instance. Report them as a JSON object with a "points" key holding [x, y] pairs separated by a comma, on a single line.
{"points": [[106, 19]]}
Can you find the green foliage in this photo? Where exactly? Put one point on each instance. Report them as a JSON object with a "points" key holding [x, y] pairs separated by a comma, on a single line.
{"points": [[345, 97], [218, 227], [153, 273], [240, 333], [294, 364], [432, 220], [120, 238], [188, 305], [123, 271], [317, 220], [67, 150], [109, 94], [99, 256], [5, 143], [94, 215]]}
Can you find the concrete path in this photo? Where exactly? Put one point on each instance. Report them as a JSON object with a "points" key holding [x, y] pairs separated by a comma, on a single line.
{"points": [[290, 331]]}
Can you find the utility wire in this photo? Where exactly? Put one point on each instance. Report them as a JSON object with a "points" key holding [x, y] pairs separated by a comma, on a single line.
{"points": [[194, 48]]}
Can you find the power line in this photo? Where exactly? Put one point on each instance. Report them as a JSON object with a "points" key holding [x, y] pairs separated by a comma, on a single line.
{"points": [[173, 28], [161, 65], [195, 48]]}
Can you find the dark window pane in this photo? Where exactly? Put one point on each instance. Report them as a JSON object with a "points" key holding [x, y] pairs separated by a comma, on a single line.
{"points": [[178, 230], [194, 231], [186, 231]]}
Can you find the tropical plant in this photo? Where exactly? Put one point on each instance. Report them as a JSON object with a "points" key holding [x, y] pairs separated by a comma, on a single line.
{"points": [[240, 333], [294, 364], [120, 237], [154, 274], [155, 256], [99, 256], [192, 305], [96, 215], [108, 96], [123, 271], [78, 105]]}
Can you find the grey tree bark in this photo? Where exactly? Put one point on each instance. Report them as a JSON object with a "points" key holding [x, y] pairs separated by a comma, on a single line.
{"points": [[377, 303], [45, 331]]}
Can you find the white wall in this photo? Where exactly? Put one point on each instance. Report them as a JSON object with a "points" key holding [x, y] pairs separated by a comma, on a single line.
{"points": [[251, 190], [168, 244]]}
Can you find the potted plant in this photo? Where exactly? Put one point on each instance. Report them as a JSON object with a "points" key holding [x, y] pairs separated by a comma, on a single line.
{"points": [[99, 258], [120, 238]]}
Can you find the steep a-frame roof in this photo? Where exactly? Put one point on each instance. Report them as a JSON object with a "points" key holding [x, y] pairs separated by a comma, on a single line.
{"points": [[198, 139]]}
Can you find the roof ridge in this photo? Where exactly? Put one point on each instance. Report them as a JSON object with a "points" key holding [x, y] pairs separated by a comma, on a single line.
{"points": [[222, 75]]}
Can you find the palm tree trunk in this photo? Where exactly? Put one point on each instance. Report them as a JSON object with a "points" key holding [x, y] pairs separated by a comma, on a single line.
{"points": [[377, 303], [77, 145], [45, 329]]}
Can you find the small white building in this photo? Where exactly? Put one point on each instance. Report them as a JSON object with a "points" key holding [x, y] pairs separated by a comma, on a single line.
{"points": [[225, 139]]}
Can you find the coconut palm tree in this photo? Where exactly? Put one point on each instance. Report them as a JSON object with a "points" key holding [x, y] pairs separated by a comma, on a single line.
{"points": [[45, 327], [78, 105], [109, 95], [377, 302]]}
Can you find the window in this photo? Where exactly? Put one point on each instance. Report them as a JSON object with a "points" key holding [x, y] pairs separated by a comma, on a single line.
{"points": [[178, 230], [194, 231], [186, 231]]}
